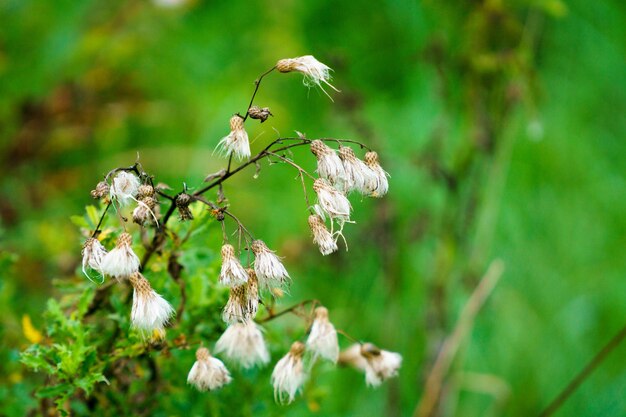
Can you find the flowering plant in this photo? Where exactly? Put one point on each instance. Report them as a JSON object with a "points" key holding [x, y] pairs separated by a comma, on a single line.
{"points": [[247, 287]]}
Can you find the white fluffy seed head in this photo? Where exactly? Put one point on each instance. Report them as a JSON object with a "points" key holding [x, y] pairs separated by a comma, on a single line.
{"points": [[321, 236], [269, 270], [333, 202], [329, 165], [360, 177], [121, 261], [380, 187], [93, 253], [243, 343], [124, 187], [236, 142], [378, 365], [208, 373], [289, 376], [315, 73], [150, 311], [237, 308], [232, 272], [322, 340]]}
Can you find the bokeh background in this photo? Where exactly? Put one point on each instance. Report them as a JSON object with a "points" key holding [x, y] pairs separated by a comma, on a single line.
{"points": [[501, 123]]}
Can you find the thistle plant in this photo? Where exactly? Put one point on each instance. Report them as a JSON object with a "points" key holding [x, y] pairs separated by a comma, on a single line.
{"points": [[138, 292]]}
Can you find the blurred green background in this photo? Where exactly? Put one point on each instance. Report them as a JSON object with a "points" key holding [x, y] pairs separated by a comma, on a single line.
{"points": [[501, 123]]}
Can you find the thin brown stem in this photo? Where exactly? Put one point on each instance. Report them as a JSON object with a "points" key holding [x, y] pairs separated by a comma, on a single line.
{"points": [[291, 309], [584, 373], [435, 379], [97, 230], [257, 84]]}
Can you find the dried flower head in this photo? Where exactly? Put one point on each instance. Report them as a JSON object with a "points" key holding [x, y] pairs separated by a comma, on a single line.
{"points": [[93, 253], [145, 190], [121, 262], [150, 310], [321, 236], [378, 365], [334, 203], [124, 187], [208, 373], [329, 166], [182, 204], [102, 190], [258, 113], [243, 343], [359, 176], [380, 187], [239, 307], [236, 142], [288, 375], [232, 272], [145, 210], [322, 340], [314, 71], [269, 269]]}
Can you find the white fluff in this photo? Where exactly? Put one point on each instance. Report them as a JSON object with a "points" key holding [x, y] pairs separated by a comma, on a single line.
{"points": [[313, 70], [322, 340], [269, 270], [208, 373], [378, 365], [239, 308], [236, 142], [359, 176], [121, 261], [329, 165], [232, 272], [150, 311], [288, 375], [380, 186], [321, 236], [382, 367], [334, 203], [243, 343], [93, 254], [124, 187]]}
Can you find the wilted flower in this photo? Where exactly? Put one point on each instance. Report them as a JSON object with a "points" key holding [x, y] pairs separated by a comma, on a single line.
{"points": [[93, 253], [124, 187], [121, 262], [378, 365], [321, 236], [258, 113], [243, 301], [232, 272], [182, 204], [269, 269], [314, 71], [236, 142], [334, 203], [207, 372], [322, 340], [150, 310], [380, 187], [288, 375], [145, 210], [243, 343], [359, 176], [102, 189], [329, 166]]}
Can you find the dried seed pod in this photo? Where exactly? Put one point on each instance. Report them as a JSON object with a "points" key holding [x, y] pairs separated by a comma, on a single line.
{"points": [[258, 113], [182, 204], [102, 190]]}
